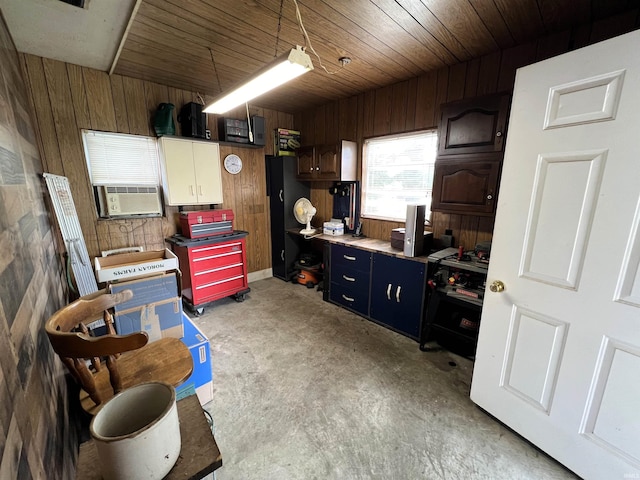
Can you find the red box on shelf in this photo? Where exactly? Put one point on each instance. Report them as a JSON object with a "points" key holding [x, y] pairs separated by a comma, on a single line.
{"points": [[206, 223]]}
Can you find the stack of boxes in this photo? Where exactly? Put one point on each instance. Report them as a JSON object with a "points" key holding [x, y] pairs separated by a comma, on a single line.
{"points": [[156, 308]]}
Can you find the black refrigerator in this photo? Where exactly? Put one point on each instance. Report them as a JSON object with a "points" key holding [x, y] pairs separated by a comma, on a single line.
{"points": [[284, 190]]}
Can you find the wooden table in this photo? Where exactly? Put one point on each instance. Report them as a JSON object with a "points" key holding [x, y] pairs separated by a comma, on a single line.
{"points": [[199, 455]]}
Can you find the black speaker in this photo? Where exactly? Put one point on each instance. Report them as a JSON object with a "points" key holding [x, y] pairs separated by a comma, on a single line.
{"points": [[192, 120], [257, 127]]}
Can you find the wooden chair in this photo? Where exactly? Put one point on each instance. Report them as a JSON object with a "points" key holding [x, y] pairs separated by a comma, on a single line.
{"points": [[168, 359]]}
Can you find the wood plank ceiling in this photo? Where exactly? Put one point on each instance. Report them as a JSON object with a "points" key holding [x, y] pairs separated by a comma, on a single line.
{"points": [[209, 45]]}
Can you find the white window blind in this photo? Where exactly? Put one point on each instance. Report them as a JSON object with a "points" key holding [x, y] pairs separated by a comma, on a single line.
{"points": [[121, 159], [397, 170]]}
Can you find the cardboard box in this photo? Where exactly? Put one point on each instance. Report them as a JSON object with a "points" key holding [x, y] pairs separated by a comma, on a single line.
{"points": [[159, 320], [286, 142], [155, 308], [201, 380], [132, 265]]}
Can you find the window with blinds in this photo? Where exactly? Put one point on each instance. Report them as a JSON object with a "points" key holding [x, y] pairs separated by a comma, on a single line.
{"points": [[121, 159], [397, 170]]}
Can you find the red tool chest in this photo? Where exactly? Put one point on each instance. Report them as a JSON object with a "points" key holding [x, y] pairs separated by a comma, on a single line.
{"points": [[212, 268], [206, 223]]}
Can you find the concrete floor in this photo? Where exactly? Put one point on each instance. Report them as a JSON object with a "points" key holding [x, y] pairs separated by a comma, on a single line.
{"points": [[306, 390]]}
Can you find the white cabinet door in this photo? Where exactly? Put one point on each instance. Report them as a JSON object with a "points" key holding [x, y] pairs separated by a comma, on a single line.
{"points": [[558, 356], [206, 161], [191, 171], [178, 171]]}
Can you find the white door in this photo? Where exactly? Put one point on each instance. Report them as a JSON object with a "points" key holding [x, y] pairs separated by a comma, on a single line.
{"points": [[558, 356]]}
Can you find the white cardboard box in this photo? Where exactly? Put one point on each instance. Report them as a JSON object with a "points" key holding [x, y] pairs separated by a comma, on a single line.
{"points": [[131, 265]]}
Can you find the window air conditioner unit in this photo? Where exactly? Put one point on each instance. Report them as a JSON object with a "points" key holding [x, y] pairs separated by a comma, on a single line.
{"points": [[120, 200]]}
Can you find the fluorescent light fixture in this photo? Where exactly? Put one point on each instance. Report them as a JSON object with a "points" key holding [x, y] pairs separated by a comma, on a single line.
{"points": [[281, 70]]}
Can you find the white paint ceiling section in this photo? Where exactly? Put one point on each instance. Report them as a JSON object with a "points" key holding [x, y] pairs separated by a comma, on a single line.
{"points": [[88, 36]]}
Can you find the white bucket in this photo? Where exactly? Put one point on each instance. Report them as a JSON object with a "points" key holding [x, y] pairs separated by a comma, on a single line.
{"points": [[137, 433]]}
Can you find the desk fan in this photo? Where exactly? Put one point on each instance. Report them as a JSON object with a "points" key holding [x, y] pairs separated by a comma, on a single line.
{"points": [[304, 212]]}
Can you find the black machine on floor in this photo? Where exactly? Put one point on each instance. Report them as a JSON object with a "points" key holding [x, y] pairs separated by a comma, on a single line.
{"points": [[457, 279]]}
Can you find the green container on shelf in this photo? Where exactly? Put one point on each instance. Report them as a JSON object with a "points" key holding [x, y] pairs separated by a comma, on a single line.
{"points": [[163, 121]]}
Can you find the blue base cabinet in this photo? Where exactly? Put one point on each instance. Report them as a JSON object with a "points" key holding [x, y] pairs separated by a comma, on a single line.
{"points": [[350, 278], [386, 289], [397, 293]]}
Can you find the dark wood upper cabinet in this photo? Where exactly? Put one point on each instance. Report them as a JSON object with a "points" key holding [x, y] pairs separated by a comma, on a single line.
{"points": [[467, 184], [306, 163], [334, 162], [476, 125]]}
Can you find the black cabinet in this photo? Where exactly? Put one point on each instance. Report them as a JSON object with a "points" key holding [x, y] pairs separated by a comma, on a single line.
{"points": [[453, 322], [455, 303], [397, 293], [284, 190]]}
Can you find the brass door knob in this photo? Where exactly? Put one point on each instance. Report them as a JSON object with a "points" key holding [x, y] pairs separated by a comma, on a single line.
{"points": [[497, 286]]}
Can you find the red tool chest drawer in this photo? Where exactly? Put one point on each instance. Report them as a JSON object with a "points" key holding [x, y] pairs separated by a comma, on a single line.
{"points": [[212, 268], [206, 223]]}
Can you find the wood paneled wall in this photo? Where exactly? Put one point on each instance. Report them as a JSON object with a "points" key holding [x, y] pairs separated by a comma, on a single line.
{"points": [[38, 429], [414, 105], [67, 98]]}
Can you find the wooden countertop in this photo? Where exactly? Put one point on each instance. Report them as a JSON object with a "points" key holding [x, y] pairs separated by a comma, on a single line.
{"points": [[365, 243]]}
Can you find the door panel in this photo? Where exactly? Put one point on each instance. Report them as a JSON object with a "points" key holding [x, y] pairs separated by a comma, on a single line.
{"points": [[397, 293], [206, 160], [473, 126], [306, 163], [558, 357], [611, 417], [628, 288], [541, 338], [328, 162], [563, 202], [464, 184]]}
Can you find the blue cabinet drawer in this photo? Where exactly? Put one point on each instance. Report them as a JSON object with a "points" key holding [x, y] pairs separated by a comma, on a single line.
{"points": [[350, 278], [350, 257], [357, 300]]}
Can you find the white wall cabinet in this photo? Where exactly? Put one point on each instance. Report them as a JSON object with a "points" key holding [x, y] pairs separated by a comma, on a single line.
{"points": [[190, 171]]}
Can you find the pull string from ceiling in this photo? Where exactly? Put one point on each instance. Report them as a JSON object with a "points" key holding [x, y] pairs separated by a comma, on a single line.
{"points": [[215, 69], [308, 40], [275, 53]]}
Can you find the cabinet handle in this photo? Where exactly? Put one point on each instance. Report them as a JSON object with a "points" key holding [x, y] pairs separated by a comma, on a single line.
{"points": [[200, 190], [498, 134], [348, 257], [389, 292], [348, 299], [317, 169], [398, 294], [348, 279], [191, 191], [282, 255], [489, 197], [311, 169], [280, 195]]}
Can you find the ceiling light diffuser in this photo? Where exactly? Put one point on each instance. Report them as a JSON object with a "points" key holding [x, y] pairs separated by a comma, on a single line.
{"points": [[280, 71]]}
